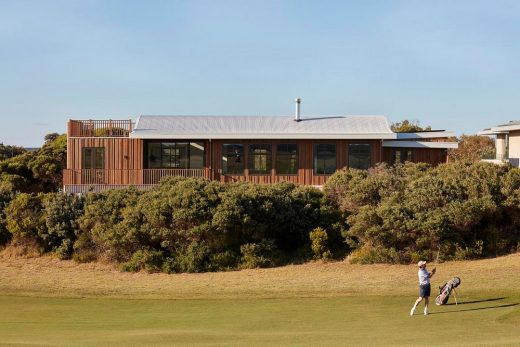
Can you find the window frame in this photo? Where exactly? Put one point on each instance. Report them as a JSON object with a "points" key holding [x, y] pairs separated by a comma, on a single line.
{"points": [[93, 159], [176, 146], [252, 156], [349, 156], [224, 168], [315, 158], [287, 159]]}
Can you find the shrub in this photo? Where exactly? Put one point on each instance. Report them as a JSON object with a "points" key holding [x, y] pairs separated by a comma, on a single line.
{"points": [[147, 260], [374, 255], [25, 217], [62, 212], [318, 238], [258, 255]]}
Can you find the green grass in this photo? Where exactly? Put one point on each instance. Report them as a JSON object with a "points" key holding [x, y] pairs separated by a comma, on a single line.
{"points": [[490, 319]]}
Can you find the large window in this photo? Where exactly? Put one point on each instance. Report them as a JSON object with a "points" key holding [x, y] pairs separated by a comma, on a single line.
{"points": [[93, 158], [286, 159], [93, 161], [402, 155], [175, 155], [324, 159], [233, 159], [359, 156], [259, 159]]}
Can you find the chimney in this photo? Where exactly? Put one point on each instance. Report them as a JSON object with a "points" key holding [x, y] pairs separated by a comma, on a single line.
{"points": [[297, 113]]}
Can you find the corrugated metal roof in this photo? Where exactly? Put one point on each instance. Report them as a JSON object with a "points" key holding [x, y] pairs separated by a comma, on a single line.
{"points": [[262, 127]]}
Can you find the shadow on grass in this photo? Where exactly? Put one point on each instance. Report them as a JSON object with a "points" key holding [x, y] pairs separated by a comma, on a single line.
{"points": [[478, 308], [475, 301]]}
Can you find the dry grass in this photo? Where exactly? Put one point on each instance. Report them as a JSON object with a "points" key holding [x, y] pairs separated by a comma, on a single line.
{"points": [[47, 276]]}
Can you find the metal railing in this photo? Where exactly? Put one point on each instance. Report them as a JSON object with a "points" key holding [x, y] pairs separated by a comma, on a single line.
{"points": [[99, 128]]}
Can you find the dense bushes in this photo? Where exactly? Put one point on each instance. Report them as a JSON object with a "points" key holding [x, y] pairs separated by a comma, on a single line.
{"points": [[404, 213], [384, 215], [192, 225]]}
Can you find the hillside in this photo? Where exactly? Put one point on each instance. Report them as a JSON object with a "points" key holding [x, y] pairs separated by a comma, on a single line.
{"points": [[46, 276]]}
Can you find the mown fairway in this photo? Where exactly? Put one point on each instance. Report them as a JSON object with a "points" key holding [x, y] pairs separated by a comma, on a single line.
{"points": [[333, 321], [356, 305]]}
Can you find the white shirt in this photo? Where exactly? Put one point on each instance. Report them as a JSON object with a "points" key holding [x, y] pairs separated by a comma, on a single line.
{"points": [[424, 277]]}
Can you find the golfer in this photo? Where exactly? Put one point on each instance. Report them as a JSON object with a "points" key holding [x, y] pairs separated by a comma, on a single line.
{"points": [[424, 287]]}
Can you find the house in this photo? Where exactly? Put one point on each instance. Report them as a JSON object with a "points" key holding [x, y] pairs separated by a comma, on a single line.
{"points": [[507, 143], [108, 154]]}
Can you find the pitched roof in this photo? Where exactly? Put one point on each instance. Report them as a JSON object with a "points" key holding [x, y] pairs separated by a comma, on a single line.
{"points": [[262, 127]]}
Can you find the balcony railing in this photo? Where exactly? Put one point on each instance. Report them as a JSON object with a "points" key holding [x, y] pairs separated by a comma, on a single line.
{"points": [[493, 156], [127, 177], [99, 128]]}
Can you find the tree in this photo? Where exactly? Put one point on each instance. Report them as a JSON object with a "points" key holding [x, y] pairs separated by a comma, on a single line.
{"points": [[48, 163], [10, 151], [472, 148], [407, 126]]}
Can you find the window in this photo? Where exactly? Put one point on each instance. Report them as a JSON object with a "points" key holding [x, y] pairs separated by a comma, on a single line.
{"points": [[233, 159], [93, 161], [402, 155], [175, 155], [286, 159], [260, 159], [359, 156], [93, 158], [324, 159]]}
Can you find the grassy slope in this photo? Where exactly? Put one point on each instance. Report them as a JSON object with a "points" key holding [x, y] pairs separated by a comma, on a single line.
{"points": [[315, 304]]}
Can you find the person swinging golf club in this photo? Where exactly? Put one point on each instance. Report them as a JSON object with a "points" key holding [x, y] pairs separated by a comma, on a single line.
{"points": [[424, 286]]}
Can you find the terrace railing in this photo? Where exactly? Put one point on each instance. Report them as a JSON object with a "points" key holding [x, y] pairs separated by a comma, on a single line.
{"points": [[127, 177], [99, 128]]}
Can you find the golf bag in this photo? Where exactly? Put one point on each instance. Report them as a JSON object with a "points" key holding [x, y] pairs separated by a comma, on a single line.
{"points": [[445, 291]]}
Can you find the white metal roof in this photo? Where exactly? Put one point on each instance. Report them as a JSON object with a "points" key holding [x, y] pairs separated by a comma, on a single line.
{"points": [[420, 144], [425, 134], [501, 129], [262, 127]]}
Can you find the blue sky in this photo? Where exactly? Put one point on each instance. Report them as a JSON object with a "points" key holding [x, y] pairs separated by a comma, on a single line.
{"points": [[449, 64]]}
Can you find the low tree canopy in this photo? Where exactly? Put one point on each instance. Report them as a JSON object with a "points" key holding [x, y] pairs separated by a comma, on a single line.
{"points": [[407, 126], [473, 148]]}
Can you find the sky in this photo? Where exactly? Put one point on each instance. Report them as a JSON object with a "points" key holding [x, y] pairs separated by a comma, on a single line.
{"points": [[450, 64]]}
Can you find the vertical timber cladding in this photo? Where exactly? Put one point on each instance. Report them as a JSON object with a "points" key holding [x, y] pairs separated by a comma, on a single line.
{"points": [[305, 173], [123, 157]]}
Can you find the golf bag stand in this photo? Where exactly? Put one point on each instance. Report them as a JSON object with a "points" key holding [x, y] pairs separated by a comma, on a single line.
{"points": [[446, 290]]}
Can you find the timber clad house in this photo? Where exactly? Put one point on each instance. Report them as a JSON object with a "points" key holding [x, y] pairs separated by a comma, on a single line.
{"points": [[108, 154]]}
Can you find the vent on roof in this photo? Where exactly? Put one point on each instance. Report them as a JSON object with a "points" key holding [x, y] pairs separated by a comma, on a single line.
{"points": [[297, 111]]}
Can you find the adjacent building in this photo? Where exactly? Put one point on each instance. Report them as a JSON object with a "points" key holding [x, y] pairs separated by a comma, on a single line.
{"points": [[507, 143], [108, 154]]}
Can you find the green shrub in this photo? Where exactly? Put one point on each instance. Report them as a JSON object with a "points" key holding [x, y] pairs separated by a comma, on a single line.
{"points": [[318, 238], [147, 260], [25, 218], [258, 255], [62, 213], [375, 255]]}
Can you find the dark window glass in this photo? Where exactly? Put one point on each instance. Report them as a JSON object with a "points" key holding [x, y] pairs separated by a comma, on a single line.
{"points": [[402, 155], [196, 155], [286, 159], [359, 156], [175, 155], [324, 158], [233, 159], [93, 163], [93, 158], [260, 159]]}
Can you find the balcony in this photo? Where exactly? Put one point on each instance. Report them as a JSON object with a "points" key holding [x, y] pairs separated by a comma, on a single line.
{"points": [[99, 128], [92, 178], [496, 159]]}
